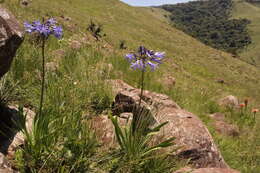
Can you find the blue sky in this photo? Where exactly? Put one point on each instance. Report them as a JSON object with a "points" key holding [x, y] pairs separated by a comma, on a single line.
{"points": [[152, 2]]}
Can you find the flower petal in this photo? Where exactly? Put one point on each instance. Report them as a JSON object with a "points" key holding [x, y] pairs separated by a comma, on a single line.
{"points": [[130, 57], [159, 54], [58, 32], [51, 21], [153, 66]]}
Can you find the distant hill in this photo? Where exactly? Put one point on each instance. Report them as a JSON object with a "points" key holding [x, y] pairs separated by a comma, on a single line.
{"points": [[250, 11], [209, 21]]}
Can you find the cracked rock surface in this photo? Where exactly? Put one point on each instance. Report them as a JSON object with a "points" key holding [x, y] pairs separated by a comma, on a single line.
{"points": [[11, 37]]}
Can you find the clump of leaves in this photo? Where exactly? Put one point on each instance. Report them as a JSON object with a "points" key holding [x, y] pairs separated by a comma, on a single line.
{"points": [[95, 29], [136, 151], [56, 143]]}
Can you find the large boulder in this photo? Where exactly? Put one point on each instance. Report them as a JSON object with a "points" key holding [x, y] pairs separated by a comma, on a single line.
{"points": [[192, 137], [11, 37]]}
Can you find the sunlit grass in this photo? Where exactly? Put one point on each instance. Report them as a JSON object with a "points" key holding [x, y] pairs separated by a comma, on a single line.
{"points": [[76, 90]]}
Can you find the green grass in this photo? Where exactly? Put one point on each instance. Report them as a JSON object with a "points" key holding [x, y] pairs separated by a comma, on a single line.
{"points": [[250, 11], [77, 89]]}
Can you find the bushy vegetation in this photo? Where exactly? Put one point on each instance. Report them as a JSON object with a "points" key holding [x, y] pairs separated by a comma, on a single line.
{"points": [[210, 22], [95, 29]]}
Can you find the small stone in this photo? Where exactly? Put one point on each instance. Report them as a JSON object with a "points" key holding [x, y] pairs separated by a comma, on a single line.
{"points": [[58, 54], [229, 101], [75, 44], [169, 82], [222, 127], [51, 67]]}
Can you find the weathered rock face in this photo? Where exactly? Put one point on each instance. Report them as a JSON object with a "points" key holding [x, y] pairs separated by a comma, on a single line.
{"points": [[191, 135], [11, 37], [206, 170]]}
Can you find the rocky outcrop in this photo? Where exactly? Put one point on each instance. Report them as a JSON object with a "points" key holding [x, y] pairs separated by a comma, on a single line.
{"points": [[11, 37], [206, 170], [192, 136]]}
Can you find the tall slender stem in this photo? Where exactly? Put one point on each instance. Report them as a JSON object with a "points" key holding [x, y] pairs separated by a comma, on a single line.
{"points": [[43, 75], [142, 86], [138, 109]]}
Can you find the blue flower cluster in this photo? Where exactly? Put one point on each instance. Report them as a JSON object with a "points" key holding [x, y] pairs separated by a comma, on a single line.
{"points": [[145, 58], [45, 29]]}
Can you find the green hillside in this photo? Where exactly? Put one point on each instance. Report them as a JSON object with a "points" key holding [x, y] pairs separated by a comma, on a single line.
{"points": [[250, 11], [209, 22], [195, 66]]}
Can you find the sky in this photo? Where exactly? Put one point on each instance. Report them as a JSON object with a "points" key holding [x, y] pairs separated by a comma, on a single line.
{"points": [[152, 2]]}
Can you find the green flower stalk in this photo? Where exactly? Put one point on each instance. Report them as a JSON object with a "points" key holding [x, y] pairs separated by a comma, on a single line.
{"points": [[142, 60], [44, 30]]}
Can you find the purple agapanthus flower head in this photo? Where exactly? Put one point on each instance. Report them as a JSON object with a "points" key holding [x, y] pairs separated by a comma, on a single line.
{"points": [[145, 58], [45, 28]]}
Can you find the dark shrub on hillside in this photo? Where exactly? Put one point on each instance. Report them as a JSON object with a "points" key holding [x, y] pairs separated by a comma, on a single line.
{"points": [[210, 22], [95, 29], [122, 44]]}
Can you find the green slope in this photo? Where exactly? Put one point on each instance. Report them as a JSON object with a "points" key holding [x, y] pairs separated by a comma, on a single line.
{"points": [[138, 26], [250, 11], [195, 66]]}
